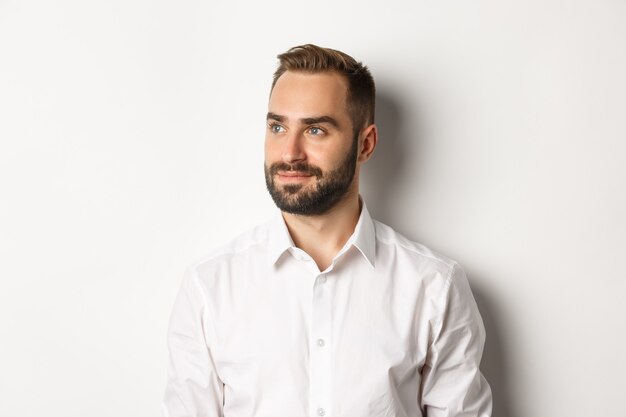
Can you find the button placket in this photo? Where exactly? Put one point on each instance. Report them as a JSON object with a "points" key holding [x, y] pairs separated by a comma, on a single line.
{"points": [[320, 357]]}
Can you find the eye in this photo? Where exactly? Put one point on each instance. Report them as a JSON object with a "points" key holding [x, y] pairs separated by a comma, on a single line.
{"points": [[276, 128], [316, 131]]}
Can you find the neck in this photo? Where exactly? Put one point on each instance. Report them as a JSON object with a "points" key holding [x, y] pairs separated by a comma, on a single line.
{"points": [[323, 236]]}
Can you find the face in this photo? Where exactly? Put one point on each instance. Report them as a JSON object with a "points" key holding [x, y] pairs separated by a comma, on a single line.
{"points": [[310, 151]]}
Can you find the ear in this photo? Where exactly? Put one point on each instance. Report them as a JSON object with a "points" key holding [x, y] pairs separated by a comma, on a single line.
{"points": [[368, 143]]}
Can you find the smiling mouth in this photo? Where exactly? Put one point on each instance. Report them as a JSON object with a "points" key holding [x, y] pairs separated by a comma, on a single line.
{"points": [[293, 176]]}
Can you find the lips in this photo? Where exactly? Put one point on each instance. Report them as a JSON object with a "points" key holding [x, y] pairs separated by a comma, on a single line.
{"points": [[293, 174], [293, 177]]}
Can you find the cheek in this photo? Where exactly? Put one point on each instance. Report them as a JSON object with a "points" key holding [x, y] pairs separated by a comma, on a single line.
{"points": [[327, 158], [271, 151]]}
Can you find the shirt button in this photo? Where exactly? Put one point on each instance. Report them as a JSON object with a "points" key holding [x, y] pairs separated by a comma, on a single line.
{"points": [[320, 342], [322, 279], [321, 412]]}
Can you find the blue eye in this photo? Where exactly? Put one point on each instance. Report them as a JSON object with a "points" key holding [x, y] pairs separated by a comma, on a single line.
{"points": [[276, 128], [316, 131]]}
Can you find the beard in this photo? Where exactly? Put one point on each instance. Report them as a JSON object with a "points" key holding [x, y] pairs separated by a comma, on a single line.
{"points": [[330, 187]]}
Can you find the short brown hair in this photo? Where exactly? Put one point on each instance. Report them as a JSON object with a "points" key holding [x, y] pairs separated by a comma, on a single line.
{"points": [[314, 59]]}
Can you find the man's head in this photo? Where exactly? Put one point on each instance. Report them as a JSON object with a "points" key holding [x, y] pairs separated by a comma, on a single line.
{"points": [[313, 59], [320, 129]]}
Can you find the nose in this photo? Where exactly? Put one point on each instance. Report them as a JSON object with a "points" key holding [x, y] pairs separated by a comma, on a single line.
{"points": [[293, 149]]}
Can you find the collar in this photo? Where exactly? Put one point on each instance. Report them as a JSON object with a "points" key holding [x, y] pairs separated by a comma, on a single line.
{"points": [[363, 237], [279, 239]]}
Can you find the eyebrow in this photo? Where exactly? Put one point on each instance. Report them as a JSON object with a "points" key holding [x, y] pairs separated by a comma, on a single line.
{"points": [[306, 120], [274, 116]]}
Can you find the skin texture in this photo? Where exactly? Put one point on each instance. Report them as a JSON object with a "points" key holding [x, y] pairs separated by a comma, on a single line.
{"points": [[309, 142]]}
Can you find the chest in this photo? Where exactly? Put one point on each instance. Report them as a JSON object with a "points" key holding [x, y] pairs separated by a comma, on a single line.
{"points": [[287, 326]]}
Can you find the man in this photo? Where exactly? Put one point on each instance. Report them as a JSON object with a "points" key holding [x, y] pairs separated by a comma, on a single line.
{"points": [[323, 311]]}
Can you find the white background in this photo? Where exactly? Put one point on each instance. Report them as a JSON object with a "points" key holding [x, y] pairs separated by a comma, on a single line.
{"points": [[131, 142]]}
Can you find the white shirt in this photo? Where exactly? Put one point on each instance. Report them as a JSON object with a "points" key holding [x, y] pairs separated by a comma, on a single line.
{"points": [[389, 329]]}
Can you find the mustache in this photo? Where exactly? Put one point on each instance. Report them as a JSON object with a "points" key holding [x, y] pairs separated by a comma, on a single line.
{"points": [[297, 167]]}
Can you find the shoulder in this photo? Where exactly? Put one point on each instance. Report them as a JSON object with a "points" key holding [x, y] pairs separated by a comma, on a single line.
{"points": [[438, 275], [239, 250], [431, 266], [386, 236]]}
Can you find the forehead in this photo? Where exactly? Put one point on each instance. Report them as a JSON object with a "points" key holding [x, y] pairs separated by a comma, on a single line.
{"points": [[300, 94]]}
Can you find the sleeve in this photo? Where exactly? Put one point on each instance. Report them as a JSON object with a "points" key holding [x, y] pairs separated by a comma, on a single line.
{"points": [[452, 384], [193, 387]]}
